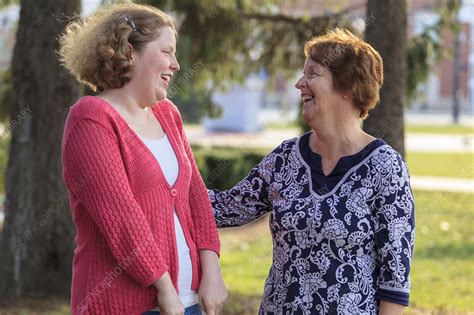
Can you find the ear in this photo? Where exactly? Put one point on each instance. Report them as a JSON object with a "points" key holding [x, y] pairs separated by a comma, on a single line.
{"points": [[130, 52], [347, 95]]}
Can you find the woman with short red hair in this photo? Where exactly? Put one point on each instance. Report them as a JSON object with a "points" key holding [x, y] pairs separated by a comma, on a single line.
{"points": [[341, 208]]}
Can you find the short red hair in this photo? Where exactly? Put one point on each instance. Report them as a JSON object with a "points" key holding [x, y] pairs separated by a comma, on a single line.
{"points": [[356, 67]]}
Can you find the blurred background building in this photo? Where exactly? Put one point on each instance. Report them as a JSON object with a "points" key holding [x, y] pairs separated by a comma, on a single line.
{"points": [[249, 106], [451, 80]]}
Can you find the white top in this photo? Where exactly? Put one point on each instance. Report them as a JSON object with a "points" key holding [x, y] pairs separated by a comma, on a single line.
{"points": [[166, 157]]}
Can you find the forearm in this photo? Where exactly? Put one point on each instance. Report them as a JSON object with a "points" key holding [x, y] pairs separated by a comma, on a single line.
{"points": [[164, 283], [212, 290], [388, 308], [238, 206], [168, 298], [209, 262]]}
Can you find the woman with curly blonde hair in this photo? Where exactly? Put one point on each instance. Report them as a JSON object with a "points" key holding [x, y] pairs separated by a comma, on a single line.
{"points": [[146, 236]]}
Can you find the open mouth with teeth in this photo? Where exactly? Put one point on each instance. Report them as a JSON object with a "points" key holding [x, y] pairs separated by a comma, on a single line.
{"points": [[307, 98], [166, 77]]}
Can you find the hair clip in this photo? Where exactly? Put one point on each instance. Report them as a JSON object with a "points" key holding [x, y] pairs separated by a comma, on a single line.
{"points": [[130, 22]]}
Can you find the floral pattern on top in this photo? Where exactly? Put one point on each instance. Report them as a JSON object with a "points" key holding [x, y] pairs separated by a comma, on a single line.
{"points": [[333, 252]]}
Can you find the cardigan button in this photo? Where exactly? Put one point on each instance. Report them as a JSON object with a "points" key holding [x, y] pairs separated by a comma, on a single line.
{"points": [[174, 192]]}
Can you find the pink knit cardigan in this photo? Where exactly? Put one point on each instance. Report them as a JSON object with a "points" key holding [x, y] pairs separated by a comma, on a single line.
{"points": [[123, 209]]}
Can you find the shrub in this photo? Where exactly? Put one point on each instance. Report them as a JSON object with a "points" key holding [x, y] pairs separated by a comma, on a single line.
{"points": [[223, 167]]}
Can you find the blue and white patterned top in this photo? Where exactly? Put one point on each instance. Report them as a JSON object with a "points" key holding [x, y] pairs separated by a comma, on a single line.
{"points": [[333, 253]]}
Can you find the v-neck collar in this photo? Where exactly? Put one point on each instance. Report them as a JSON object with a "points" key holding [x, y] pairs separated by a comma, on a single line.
{"points": [[342, 163], [296, 147], [167, 130]]}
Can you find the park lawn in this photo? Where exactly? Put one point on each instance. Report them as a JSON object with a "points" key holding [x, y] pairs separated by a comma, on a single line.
{"points": [[442, 274], [443, 271], [35, 306], [437, 129], [455, 165]]}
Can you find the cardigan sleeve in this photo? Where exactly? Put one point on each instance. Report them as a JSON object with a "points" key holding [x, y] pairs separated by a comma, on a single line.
{"points": [[248, 200], [207, 236], [395, 234], [94, 172]]}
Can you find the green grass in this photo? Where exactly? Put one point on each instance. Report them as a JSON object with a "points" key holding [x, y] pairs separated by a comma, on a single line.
{"points": [[442, 271], [456, 165], [443, 285], [245, 259], [35, 306], [281, 125], [436, 129]]}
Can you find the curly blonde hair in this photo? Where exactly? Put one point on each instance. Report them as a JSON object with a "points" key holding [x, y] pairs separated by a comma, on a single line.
{"points": [[356, 67], [95, 50]]}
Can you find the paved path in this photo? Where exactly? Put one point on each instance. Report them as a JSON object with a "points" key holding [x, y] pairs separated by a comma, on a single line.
{"points": [[443, 184], [439, 143], [271, 138], [414, 143]]}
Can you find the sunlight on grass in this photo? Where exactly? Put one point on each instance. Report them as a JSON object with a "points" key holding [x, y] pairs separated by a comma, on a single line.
{"points": [[442, 273], [247, 267], [35, 306], [443, 284], [437, 129], [455, 165]]}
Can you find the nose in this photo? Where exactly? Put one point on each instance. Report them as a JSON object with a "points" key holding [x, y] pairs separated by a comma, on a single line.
{"points": [[300, 83], [174, 65]]}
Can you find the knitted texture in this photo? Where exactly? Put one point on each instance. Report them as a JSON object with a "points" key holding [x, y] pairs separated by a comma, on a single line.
{"points": [[123, 209]]}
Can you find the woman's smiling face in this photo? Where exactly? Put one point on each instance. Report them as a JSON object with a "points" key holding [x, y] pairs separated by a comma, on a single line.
{"points": [[317, 90], [155, 65]]}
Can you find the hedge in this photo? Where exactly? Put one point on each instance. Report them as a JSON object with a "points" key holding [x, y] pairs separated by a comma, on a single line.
{"points": [[223, 167]]}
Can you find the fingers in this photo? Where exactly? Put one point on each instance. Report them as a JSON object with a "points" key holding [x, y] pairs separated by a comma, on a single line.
{"points": [[213, 306], [215, 309], [201, 303]]}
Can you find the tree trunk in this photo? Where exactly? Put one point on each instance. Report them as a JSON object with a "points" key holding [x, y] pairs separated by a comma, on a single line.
{"points": [[36, 243], [386, 32]]}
